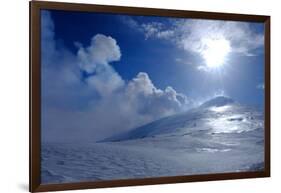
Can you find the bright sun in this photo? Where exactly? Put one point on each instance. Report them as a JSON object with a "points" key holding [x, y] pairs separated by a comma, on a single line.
{"points": [[215, 52]]}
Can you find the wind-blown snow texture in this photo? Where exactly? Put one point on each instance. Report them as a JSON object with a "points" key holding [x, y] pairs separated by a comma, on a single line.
{"points": [[219, 136]]}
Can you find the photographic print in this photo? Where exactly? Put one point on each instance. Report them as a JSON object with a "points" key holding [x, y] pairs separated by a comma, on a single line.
{"points": [[133, 96]]}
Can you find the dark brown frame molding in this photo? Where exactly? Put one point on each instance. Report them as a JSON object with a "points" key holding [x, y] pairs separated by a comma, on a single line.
{"points": [[35, 95]]}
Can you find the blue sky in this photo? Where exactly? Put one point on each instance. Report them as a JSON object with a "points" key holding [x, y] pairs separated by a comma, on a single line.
{"points": [[151, 67]]}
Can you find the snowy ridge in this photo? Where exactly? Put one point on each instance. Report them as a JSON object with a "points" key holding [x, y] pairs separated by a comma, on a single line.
{"points": [[210, 116], [218, 102]]}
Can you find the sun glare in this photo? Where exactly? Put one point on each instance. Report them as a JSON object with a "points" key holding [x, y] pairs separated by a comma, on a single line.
{"points": [[215, 52]]}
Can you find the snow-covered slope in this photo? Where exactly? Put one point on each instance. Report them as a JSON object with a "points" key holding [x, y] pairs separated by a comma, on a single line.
{"points": [[219, 136], [219, 115]]}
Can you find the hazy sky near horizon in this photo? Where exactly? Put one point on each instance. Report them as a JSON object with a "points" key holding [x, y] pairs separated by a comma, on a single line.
{"points": [[105, 73]]}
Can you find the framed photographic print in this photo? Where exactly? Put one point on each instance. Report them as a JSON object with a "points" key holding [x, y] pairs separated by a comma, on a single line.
{"points": [[123, 96]]}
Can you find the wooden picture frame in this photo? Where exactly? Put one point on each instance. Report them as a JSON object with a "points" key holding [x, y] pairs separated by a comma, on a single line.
{"points": [[35, 95]]}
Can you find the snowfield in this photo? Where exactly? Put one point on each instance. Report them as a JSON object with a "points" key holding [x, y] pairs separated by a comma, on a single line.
{"points": [[217, 137]]}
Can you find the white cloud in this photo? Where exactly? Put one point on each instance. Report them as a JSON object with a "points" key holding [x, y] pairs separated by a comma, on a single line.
{"points": [[141, 84], [47, 37], [242, 38], [103, 50], [152, 101], [137, 103], [149, 29], [203, 37], [100, 104], [129, 21], [60, 72], [96, 58], [105, 81], [156, 29]]}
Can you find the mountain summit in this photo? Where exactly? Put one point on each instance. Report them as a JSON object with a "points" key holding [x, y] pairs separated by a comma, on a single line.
{"points": [[218, 102]]}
